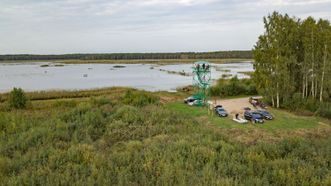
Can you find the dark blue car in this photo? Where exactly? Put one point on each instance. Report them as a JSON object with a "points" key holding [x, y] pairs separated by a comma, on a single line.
{"points": [[220, 111], [266, 115], [254, 116]]}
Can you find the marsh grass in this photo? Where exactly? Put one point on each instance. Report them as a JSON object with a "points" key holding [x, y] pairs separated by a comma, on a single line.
{"points": [[127, 137], [119, 66]]}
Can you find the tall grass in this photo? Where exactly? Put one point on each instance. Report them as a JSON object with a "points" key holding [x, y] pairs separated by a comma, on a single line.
{"points": [[132, 139]]}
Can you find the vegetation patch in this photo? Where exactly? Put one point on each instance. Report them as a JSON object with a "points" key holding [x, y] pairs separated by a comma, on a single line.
{"points": [[247, 73], [220, 69], [17, 99], [131, 138], [233, 87], [119, 66], [175, 72]]}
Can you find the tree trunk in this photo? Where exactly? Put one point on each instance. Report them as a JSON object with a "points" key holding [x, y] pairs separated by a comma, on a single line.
{"points": [[304, 80], [303, 87], [316, 87], [312, 86], [277, 79], [323, 73], [277, 95], [307, 85], [312, 65]]}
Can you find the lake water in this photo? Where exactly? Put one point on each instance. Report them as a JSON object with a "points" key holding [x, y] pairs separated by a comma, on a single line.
{"points": [[34, 77]]}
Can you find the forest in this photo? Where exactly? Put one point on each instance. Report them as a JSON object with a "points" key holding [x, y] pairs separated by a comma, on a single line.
{"points": [[133, 56], [293, 63]]}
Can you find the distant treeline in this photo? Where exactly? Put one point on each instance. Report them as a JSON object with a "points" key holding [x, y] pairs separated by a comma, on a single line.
{"points": [[128, 56]]}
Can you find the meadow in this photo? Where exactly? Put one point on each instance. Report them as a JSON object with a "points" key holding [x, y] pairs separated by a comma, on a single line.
{"points": [[129, 137]]}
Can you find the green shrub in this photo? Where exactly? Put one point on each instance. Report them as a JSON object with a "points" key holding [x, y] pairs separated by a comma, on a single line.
{"points": [[324, 110], [233, 87], [307, 106], [139, 99], [215, 91], [311, 104], [17, 99], [295, 102]]}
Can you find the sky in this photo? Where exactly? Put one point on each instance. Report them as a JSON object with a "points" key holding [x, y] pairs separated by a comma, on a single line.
{"points": [[111, 26]]}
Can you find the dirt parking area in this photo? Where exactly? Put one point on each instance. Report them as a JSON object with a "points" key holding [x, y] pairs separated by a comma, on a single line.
{"points": [[235, 105]]}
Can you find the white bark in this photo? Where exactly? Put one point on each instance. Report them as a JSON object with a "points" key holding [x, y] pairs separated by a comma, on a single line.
{"points": [[312, 65], [323, 73], [277, 95], [303, 87]]}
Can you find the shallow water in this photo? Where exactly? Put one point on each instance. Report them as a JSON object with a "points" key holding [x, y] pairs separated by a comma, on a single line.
{"points": [[33, 77]]}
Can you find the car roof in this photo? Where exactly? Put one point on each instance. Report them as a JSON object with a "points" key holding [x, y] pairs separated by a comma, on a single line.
{"points": [[256, 97], [255, 112]]}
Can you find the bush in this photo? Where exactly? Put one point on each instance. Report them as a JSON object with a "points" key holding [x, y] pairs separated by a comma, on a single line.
{"points": [[233, 87], [325, 110], [17, 99], [311, 104], [295, 103], [215, 91], [139, 99]]}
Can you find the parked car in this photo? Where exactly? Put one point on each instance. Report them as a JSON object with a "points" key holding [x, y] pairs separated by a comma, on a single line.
{"points": [[257, 101], [266, 115], [189, 99], [247, 109], [221, 112], [192, 101], [195, 102], [218, 106], [254, 116]]}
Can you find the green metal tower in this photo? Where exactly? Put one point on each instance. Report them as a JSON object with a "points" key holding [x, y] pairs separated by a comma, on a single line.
{"points": [[201, 81]]}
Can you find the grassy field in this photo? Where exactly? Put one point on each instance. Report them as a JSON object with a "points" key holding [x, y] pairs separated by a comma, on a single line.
{"points": [[127, 137], [145, 61], [283, 119]]}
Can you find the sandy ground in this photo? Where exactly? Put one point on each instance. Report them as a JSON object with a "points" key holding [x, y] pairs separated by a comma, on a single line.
{"points": [[234, 106]]}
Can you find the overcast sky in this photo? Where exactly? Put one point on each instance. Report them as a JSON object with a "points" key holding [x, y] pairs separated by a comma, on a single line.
{"points": [[107, 26]]}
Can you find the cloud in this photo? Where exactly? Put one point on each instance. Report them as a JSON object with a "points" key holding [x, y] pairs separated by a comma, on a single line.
{"points": [[69, 26], [294, 2]]}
